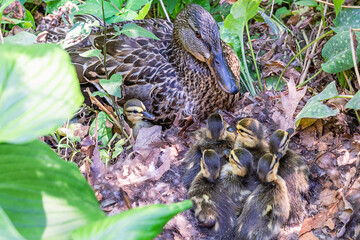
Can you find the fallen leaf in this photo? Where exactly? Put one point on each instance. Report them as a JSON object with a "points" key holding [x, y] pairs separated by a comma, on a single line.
{"points": [[345, 215], [308, 236], [330, 223], [315, 222], [328, 197]]}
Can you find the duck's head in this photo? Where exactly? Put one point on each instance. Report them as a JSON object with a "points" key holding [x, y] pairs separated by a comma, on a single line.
{"points": [[197, 31], [135, 111], [210, 165], [268, 167], [250, 132], [215, 128], [242, 161], [279, 141]]}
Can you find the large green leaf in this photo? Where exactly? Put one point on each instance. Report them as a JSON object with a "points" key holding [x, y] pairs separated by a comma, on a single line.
{"points": [[39, 90], [7, 229], [315, 109], [44, 196], [23, 38], [337, 53], [135, 4], [347, 18], [112, 86], [337, 4], [139, 223], [354, 103], [94, 7]]}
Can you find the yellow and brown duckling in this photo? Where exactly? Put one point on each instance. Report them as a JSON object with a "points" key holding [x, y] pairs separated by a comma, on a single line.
{"points": [[215, 136], [238, 176], [251, 136], [187, 73], [136, 114], [268, 207], [294, 171], [213, 208]]}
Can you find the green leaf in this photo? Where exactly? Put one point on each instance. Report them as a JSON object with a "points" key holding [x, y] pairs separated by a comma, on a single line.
{"points": [[204, 3], [337, 5], [98, 93], [132, 30], [127, 15], [347, 18], [104, 132], [39, 90], [117, 3], [79, 31], [29, 18], [170, 5], [23, 38], [91, 53], [112, 86], [310, 3], [229, 38], [144, 11], [315, 109], [94, 7], [135, 4], [275, 27], [354, 103], [282, 12], [337, 53], [143, 223], [7, 229], [44, 196]]}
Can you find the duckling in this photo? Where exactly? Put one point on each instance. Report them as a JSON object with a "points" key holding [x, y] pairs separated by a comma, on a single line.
{"points": [[294, 171], [136, 114], [251, 136], [213, 208], [214, 136], [268, 207], [237, 175]]}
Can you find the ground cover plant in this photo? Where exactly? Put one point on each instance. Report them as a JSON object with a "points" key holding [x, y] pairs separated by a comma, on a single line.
{"points": [[299, 68]]}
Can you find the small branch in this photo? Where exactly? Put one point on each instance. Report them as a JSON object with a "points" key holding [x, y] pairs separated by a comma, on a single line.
{"points": [[348, 82], [343, 6], [163, 7]]}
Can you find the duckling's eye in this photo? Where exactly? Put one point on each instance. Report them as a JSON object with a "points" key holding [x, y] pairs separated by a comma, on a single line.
{"points": [[135, 111], [241, 131], [197, 34]]}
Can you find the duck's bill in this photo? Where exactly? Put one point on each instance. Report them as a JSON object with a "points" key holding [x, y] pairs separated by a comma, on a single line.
{"points": [[148, 115], [224, 76]]}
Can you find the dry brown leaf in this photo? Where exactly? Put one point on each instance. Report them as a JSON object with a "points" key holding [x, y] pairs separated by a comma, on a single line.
{"points": [[345, 215], [330, 223], [328, 197], [326, 161], [307, 137], [308, 236], [315, 222]]}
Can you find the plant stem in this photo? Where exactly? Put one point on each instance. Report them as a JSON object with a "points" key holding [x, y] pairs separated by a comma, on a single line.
{"points": [[105, 33], [287, 65], [164, 8], [248, 79], [353, 52], [308, 80], [343, 6], [253, 55]]}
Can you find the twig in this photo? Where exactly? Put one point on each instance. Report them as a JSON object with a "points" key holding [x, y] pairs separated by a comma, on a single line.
{"points": [[305, 82], [253, 56], [312, 50], [163, 7], [354, 57], [343, 6], [272, 8], [348, 82], [287, 65]]}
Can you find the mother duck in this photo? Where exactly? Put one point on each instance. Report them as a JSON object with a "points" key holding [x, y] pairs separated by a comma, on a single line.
{"points": [[183, 77]]}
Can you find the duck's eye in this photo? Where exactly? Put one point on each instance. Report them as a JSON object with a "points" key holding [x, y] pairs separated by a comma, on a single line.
{"points": [[197, 34]]}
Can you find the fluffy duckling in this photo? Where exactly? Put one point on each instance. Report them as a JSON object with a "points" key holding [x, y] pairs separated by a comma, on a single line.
{"points": [[294, 171], [214, 136], [251, 136], [238, 176], [136, 114], [268, 207], [213, 208]]}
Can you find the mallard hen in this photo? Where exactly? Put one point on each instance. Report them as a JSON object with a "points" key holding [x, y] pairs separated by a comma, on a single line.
{"points": [[136, 114], [185, 76], [294, 171], [213, 208], [214, 136], [268, 207], [251, 136]]}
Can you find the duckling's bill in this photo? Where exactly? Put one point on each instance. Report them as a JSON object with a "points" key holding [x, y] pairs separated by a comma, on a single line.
{"points": [[148, 115]]}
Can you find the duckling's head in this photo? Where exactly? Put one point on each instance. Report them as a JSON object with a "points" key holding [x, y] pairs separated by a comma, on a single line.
{"points": [[210, 165], [279, 141], [268, 167], [135, 111], [250, 132], [197, 31], [215, 129], [242, 161]]}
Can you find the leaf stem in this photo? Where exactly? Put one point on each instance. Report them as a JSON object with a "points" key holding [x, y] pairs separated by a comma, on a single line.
{"points": [[105, 33], [308, 80], [248, 79], [343, 6], [253, 55], [293, 58], [353, 52]]}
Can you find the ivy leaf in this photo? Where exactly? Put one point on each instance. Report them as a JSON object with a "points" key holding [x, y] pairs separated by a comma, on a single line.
{"points": [[347, 18], [337, 53], [135, 4], [112, 86], [94, 7], [354, 103], [315, 109], [44, 196], [39, 90], [143, 223]]}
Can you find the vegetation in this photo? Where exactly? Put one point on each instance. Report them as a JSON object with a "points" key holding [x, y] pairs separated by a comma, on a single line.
{"points": [[29, 169]]}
